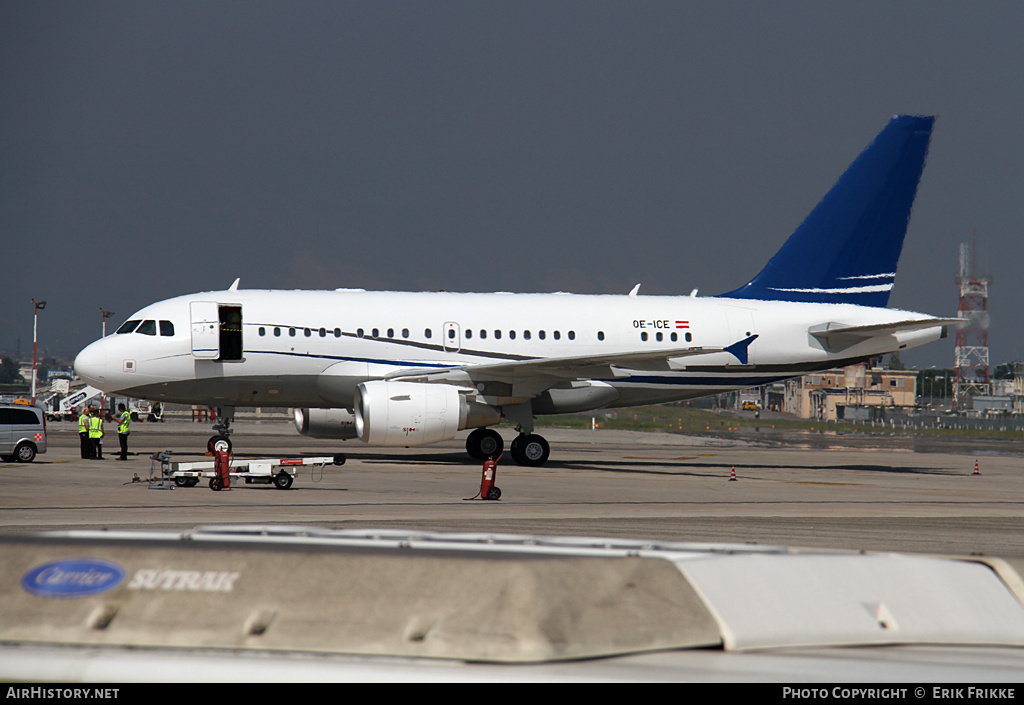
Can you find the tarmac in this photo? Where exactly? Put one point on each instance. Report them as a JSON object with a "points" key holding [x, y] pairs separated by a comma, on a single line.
{"points": [[785, 546], [878, 493]]}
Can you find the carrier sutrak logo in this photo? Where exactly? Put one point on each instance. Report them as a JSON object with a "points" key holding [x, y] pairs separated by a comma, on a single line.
{"points": [[72, 577]]}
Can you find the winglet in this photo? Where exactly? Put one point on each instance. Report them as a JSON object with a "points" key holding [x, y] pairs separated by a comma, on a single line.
{"points": [[234, 284], [739, 349]]}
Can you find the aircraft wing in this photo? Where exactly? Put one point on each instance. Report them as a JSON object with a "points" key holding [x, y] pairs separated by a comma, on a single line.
{"points": [[554, 368], [838, 336]]}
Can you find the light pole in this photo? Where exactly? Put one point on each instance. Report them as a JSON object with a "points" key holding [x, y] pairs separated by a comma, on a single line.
{"points": [[106, 315], [35, 338]]}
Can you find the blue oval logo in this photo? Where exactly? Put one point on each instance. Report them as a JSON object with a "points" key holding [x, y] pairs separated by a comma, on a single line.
{"points": [[72, 577]]}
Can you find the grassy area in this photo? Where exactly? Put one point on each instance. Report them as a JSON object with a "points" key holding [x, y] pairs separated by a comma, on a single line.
{"points": [[690, 420]]}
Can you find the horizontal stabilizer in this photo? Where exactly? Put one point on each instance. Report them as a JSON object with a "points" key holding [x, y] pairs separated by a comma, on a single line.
{"points": [[838, 336]]}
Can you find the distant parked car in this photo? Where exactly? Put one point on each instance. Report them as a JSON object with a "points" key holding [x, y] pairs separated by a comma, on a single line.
{"points": [[22, 432], [751, 406]]}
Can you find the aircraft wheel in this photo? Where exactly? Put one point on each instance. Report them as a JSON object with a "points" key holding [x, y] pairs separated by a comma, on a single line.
{"points": [[217, 443], [484, 443], [530, 449], [282, 480]]}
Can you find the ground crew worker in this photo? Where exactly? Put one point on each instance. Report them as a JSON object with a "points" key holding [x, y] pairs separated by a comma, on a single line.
{"points": [[124, 418], [96, 434], [83, 433]]}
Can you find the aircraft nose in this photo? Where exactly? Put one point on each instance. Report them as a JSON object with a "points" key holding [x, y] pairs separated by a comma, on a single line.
{"points": [[91, 364]]}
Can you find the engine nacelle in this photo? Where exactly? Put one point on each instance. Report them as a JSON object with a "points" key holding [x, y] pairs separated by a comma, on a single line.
{"points": [[414, 414], [325, 423]]}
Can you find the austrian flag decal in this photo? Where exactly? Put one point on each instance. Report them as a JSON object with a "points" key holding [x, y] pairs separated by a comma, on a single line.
{"points": [[682, 324]]}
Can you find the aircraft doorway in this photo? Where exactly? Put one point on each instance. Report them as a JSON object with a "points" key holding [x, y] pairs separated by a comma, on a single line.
{"points": [[230, 332], [216, 331]]}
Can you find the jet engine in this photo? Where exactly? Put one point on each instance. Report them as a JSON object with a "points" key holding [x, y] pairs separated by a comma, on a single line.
{"points": [[413, 413], [325, 423]]}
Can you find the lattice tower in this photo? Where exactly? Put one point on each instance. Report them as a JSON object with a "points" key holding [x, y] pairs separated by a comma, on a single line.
{"points": [[972, 364]]}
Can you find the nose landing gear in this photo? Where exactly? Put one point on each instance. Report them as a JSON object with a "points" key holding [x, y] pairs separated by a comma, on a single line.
{"points": [[221, 424]]}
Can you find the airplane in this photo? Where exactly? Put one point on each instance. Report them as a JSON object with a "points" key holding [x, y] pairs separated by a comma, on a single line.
{"points": [[415, 368]]}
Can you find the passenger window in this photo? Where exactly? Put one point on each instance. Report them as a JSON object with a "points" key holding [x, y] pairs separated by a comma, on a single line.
{"points": [[674, 337], [483, 333], [451, 334], [167, 329], [307, 332], [659, 336], [600, 335], [291, 332], [375, 333], [128, 326], [147, 328], [391, 332], [643, 336], [541, 334], [337, 332], [526, 334], [512, 335], [263, 331], [558, 335], [405, 332], [688, 337], [469, 334], [572, 335], [427, 333], [277, 332], [323, 332], [497, 334], [359, 332]]}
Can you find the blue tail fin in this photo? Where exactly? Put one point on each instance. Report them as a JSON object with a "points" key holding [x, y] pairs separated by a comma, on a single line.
{"points": [[847, 249]]}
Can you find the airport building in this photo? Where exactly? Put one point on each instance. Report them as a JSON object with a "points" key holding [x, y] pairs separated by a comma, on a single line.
{"points": [[854, 393]]}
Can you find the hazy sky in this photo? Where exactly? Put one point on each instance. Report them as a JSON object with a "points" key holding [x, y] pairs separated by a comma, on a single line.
{"points": [[150, 149]]}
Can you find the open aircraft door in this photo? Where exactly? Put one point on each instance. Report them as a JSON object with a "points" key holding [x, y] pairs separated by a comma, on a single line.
{"points": [[205, 330], [216, 331]]}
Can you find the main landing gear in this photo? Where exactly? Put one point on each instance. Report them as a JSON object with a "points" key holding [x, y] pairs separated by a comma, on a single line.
{"points": [[530, 449], [484, 443], [527, 449]]}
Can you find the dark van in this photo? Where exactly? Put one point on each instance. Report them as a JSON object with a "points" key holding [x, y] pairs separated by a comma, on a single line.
{"points": [[22, 432]]}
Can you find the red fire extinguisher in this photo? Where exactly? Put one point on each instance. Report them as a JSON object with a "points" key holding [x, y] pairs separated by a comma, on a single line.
{"points": [[222, 466], [490, 475]]}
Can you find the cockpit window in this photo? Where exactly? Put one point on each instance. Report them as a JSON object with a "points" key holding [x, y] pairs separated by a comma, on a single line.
{"points": [[147, 328], [128, 326], [167, 329]]}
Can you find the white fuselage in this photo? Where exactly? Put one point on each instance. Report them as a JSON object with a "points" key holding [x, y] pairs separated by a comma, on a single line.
{"points": [[311, 348]]}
